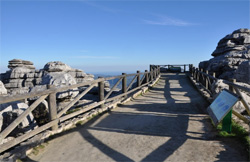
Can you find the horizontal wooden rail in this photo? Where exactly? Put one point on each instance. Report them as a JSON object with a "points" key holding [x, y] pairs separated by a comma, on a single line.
{"points": [[26, 136], [19, 119], [56, 117], [74, 101], [11, 98], [113, 88], [206, 80]]}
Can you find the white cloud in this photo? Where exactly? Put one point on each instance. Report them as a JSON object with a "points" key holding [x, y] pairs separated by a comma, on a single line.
{"points": [[168, 21]]}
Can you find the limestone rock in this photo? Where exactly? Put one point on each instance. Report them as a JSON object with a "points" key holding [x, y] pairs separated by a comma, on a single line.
{"points": [[217, 87], [3, 90], [19, 72], [15, 83], [243, 72], [57, 66], [20, 63], [230, 53], [60, 79], [10, 111], [21, 90]]}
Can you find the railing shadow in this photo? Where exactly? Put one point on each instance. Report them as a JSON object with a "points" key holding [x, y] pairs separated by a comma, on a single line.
{"points": [[165, 115], [168, 119]]}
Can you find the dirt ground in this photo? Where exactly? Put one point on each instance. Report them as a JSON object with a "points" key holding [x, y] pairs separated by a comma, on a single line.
{"points": [[168, 123]]}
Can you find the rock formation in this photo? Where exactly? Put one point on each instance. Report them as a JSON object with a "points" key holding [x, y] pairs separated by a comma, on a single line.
{"points": [[23, 78], [22, 75], [3, 90], [231, 57], [20, 63]]}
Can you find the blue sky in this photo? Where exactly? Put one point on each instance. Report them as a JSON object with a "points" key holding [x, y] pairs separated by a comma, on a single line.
{"points": [[123, 36]]}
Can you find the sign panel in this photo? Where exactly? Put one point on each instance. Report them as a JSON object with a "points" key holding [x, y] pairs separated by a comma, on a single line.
{"points": [[222, 105]]}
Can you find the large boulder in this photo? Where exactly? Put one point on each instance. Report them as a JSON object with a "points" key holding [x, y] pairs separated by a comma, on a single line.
{"points": [[60, 79], [57, 66], [20, 63], [243, 72], [217, 87], [19, 72], [230, 53]]}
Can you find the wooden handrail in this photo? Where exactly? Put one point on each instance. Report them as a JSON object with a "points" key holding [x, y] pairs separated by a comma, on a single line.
{"points": [[55, 116], [198, 74], [19, 119]]}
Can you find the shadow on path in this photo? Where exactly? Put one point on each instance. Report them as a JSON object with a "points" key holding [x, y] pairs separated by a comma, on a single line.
{"points": [[152, 127], [169, 119]]}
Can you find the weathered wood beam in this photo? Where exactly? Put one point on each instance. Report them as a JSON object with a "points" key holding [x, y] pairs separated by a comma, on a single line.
{"points": [[113, 88], [65, 109], [20, 118], [26, 136]]}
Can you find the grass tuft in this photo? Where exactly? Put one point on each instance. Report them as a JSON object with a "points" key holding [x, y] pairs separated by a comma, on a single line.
{"points": [[238, 132]]}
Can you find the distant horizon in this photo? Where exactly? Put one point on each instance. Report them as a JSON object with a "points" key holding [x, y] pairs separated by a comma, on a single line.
{"points": [[105, 36], [100, 70]]}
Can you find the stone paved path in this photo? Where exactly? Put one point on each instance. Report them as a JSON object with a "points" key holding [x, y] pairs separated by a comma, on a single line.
{"points": [[166, 124]]}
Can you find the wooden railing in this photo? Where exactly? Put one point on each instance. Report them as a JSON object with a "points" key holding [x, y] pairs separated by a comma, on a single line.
{"points": [[57, 117], [206, 79]]}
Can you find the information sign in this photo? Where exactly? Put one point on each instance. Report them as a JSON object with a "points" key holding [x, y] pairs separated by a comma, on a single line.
{"points": [[221, 106]]}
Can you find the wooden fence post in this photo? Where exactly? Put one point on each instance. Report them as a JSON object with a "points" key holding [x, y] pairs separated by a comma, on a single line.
{"points": [[194, 73], [101, 91], [231, 87], [138, 78], [197, 74], [52, 106], [152, 76], [124, 84], [206, 80], [146, 76], [150, 67], [191, 69], [201, 76]]}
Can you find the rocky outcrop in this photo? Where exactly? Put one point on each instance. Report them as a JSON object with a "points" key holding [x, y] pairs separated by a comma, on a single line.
{"points": [[61, 68], [20, 63], [242, 74], [60, 79], [230, 56], [23, 78], [3, 90], [57, 66], [22, 75]]}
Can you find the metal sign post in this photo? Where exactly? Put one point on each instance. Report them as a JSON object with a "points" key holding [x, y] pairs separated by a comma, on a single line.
{"points": [[227, 122]]}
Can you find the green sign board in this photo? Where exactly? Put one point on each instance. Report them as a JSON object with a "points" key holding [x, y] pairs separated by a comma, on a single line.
{"points": [[222, 105]]}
